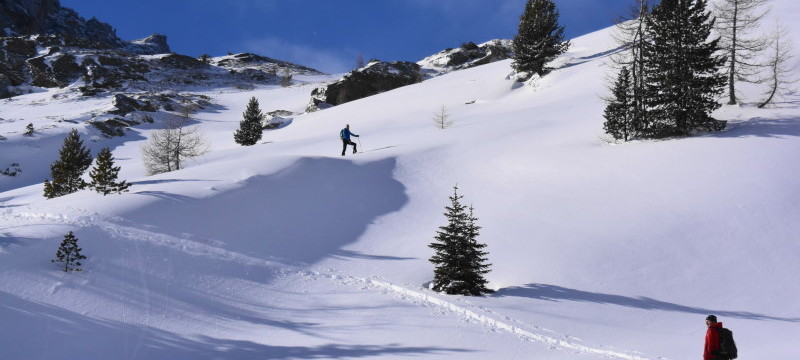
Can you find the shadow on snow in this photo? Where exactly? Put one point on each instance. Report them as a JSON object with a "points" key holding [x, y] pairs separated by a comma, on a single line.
{"points": [[303, 213], [558, 293], [68, 333]]}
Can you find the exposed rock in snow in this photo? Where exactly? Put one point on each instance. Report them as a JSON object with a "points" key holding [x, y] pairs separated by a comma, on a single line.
{"points": [[467, 56], [375, 78]]}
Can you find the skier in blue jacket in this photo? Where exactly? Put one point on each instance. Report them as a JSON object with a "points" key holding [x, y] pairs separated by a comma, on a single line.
{"points": [[345, 136]]}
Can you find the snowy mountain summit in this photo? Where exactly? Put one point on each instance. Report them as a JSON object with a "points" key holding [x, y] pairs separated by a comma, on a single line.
{"points": [[286, 249]]}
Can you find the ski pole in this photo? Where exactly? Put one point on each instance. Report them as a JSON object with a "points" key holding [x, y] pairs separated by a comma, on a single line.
{"points": [[359, 144]]}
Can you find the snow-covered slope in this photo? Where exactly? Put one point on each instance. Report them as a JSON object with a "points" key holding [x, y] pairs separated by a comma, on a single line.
{"points": [[286, 250]]}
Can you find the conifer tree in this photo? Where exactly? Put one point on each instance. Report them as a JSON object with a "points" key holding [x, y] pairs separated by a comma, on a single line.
{"points": [[104, 175], [682, 69], [249, 131], [477, 265], [69, 254], [539, 38], [620, 109], [459, 260], [66, 172]]}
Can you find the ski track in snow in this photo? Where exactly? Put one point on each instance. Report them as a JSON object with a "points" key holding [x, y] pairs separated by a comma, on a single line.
{"points": [[488, 318], [471, 313]]}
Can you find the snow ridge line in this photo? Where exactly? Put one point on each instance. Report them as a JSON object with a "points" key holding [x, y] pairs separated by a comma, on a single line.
{"points": [[491, 322]]}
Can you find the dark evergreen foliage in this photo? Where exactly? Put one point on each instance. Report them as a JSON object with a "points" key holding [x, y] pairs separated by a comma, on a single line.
{"points": [[29, 130], [249, 132], [539, 38], [69, 254], [104, 175], [459, 259], [682, 70], [620, 109], [66, 172]]}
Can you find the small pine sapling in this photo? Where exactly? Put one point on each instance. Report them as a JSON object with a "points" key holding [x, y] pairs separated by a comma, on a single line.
{"points": [[29, 130], [104, 175], [69, 254]]}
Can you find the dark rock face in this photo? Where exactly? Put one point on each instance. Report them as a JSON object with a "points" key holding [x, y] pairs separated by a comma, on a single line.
{"points": [[31, 17], [26, 17], [41, 74], [468, 55], [21, 18], [375, 78], [126, 105], [182, 62], [247, 62]]}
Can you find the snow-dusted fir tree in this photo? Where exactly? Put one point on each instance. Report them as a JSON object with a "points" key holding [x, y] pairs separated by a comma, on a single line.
{"points": [[66, 172], [620, 109], [104, 175], [249, 132], [459, 260], [539, 38], [737, 23], [682, 70], [69, 254]]}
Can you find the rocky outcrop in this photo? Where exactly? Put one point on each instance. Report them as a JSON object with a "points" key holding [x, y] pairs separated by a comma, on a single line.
{"points": [[467, 56], [26, 17], [248, 63], [125, 105], [375, 78], [47, 17], [153, 44]]}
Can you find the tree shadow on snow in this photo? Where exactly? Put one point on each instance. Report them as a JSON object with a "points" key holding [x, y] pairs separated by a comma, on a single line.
{"points": [[69, 335], [558, 293], [761, 127], [303, 213]]}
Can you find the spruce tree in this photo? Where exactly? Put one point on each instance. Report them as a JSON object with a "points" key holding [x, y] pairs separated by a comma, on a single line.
{"points": [[249, 131], [682, 69], [66, 172], [104, 175], [477, 265], [459, 260], [620, 109], [69, 254], [539, 38]]}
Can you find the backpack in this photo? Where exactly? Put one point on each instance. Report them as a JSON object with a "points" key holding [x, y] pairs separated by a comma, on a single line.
{"points": [[727, 347], [341, 135]]}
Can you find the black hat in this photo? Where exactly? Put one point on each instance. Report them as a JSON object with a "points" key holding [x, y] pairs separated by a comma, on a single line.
{"points": [[712, 318]]}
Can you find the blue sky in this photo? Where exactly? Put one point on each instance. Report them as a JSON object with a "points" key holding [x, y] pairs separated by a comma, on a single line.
{"points": [[329, 35]]}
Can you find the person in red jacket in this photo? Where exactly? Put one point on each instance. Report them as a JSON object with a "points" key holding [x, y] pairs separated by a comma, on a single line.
{"points": [[712, 338]]}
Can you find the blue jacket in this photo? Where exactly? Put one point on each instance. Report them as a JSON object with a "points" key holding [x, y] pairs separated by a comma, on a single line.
{"points": [[345, 134]]}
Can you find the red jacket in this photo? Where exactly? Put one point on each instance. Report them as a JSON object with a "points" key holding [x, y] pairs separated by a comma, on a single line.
{"points": [[712, 341]]}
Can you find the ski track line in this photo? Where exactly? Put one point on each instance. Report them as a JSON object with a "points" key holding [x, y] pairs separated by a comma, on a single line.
{"points": [[551, 342]]}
